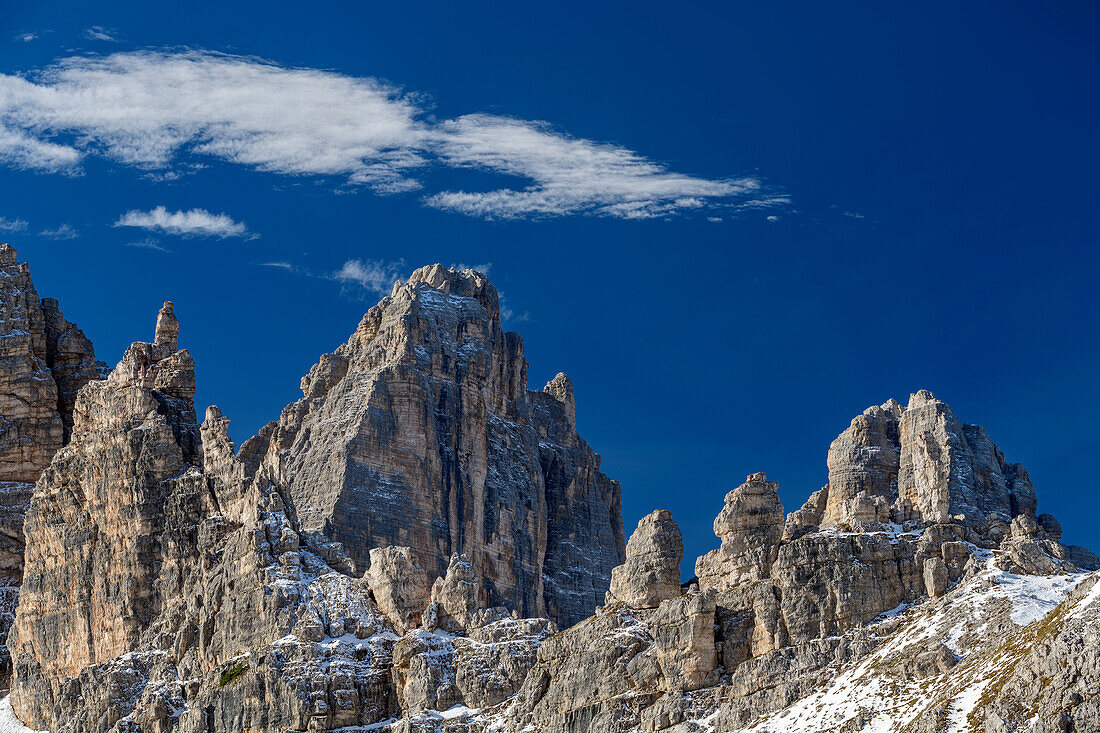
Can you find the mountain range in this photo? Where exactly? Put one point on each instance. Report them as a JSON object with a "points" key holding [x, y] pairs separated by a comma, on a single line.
{"points": [[423, 543]]}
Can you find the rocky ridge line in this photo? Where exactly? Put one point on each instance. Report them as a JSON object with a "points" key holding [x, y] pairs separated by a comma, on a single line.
{"points": [[175, 583]]}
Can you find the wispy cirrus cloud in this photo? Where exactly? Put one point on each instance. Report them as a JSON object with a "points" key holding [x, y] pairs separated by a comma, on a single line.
{"points": [[148, 244], [366, 279], [22, 150], [63, 231], [569, 175], [99, 33], [163, 111], [483, 268], [195, 222], [26, 37], [373, 276], [12, 225]]}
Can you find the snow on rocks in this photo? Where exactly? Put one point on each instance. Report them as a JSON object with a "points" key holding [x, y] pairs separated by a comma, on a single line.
{"points": [[980, 623]]}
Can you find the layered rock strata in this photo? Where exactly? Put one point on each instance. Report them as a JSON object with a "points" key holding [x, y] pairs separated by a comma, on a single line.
{"points": [[44, 361], [171, 582], [174, 583], [420, 431], [169, 587], [920, 463], [785, 607]]}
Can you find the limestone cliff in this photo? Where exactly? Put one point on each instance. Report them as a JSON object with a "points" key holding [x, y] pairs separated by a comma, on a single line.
{"points": [[921, 463], [420, 431], [44, 361], [170, 586]]}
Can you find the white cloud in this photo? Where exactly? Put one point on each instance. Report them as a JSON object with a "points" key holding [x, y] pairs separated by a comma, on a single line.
{"points": [[196, 222], [569, 175], [26, 37], [64, 231], [99, 33], [373, 276], [280, 265], [20, 150], [773, 218], [147, 109], [12, 225], [508, 315], [482, 268], [161, 111]]}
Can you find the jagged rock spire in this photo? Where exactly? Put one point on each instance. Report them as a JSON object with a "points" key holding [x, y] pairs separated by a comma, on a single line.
{"points": [[488, 469], [168, 327], [750, 526], [651, 573]]}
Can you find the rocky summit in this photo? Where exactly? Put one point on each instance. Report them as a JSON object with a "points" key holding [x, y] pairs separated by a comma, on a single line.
{"points": [[420, 431], [423, 544]]}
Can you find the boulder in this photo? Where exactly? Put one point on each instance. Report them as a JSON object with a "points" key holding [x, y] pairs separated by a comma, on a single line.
{"points": [[400, 588]]}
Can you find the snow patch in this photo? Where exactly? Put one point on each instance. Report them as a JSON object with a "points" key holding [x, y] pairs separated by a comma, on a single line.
{"points": [[8, 722]]}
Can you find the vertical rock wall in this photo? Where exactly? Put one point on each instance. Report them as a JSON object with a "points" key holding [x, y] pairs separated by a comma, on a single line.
{"points": [[44, 361], [920, 463], [420, 431]]}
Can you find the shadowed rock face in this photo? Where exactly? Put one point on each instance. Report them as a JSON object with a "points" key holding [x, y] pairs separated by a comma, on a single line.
{"points": [[44, 361], [420, 431]]}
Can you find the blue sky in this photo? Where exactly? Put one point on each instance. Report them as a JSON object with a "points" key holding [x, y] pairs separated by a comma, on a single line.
{"points": [[735, 225]]}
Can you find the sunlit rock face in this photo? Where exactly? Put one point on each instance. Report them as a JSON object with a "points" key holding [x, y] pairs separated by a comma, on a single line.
{"points": [[920, 464], [420, 431], [171, 583], [44, 361], [109, 525]]}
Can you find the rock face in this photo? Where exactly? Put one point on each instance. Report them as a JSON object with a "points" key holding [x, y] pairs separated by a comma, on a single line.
{"points": [[784, 608], [750, 527], [44, 361], [863, 468], [171, 582], [110, 526], [420, 432], [918, 464], [949, 470], [651, 573]]}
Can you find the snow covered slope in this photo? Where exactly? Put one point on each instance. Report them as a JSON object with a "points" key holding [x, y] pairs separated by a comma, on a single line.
{"points": [[8, 722], [942, 663]]}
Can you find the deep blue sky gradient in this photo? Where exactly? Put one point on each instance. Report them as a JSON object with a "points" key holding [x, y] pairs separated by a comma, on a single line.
{"points": [[963, 134]]}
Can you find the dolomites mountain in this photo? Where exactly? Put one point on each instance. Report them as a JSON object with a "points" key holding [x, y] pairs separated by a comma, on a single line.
{"points": [[423, 544], [44, 361], [420, 431]]}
